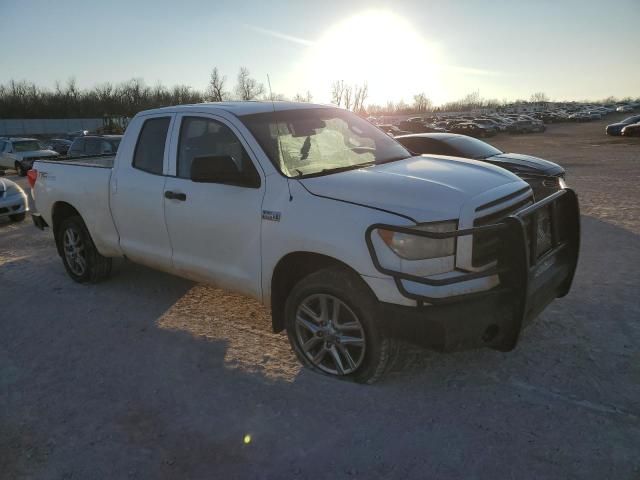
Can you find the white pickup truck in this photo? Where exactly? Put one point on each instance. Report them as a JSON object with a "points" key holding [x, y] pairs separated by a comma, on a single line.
{"points": [[350, 240]]}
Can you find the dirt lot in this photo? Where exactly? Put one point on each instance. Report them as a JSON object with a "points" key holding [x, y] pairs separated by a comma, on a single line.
{"points": [[151, 376]]}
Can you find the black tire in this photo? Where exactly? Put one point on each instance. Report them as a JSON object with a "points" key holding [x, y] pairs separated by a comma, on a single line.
{"points": [[18, 217], [97, 267], [380, 350], [19, 170]]}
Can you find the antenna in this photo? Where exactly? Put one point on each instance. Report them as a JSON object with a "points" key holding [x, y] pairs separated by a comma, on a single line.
{"points": [[271, 93], [273, 104]]}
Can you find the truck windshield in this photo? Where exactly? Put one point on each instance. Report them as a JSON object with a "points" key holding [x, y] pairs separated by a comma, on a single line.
{"points": [[320, 141], [26, 146]]}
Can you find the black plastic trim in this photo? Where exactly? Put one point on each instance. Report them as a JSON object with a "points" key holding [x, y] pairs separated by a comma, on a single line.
{"points": [[518, 258], [503, 199]]}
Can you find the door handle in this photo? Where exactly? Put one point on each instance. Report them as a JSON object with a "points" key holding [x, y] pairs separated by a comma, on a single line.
{"points": [[175, 196]]}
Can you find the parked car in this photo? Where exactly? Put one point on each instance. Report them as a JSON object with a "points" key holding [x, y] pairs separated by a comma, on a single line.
{"points": [[615, 129], [536, 124], [392, 130], [632, 130], [472, 129], [499, 125], [13, 201], [19, 154], [60, 145], [95, 145], [544, 177], [350, 239], [414, 126], [624, 109], [525, 126], [580, 117]]}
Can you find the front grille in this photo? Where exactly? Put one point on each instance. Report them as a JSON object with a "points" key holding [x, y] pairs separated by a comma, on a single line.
{"points": [[487, 244], [542, 186]]}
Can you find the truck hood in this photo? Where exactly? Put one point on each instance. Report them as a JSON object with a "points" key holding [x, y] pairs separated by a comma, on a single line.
{"points": [[519, 163], [36, 153], [424, 188]]}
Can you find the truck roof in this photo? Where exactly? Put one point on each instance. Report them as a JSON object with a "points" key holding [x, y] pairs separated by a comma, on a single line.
{"points": [[240, 108]]}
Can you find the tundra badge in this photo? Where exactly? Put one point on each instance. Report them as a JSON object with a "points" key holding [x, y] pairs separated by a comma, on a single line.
{"points": [[270, 215]]}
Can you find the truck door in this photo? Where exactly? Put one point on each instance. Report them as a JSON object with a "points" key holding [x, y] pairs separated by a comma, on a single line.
{"points": [[214, 227], [137, 189]]}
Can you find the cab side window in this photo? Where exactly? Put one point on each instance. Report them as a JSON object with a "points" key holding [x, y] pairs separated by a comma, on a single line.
{"points": [[149, 154], [203, 137]]}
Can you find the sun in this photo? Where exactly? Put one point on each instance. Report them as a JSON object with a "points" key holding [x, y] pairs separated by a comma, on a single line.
{"points": [[377, 47]]}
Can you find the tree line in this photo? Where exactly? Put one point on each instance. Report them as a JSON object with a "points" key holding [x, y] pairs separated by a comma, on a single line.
{"points": [[23, 99]]}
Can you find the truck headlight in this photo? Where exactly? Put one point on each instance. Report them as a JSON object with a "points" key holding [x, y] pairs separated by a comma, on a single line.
{"points": [[413, 247]]}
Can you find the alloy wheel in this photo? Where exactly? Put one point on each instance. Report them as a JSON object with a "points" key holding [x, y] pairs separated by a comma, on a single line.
{"points": [[330, 334], [74, 251]]}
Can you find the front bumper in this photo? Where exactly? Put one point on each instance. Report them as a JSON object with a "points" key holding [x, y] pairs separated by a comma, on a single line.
{"points": [[13, 205], [528, 282]]}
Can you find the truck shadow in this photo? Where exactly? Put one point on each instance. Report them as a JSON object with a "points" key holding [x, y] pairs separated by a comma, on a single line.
{"points": [[151, 376]]}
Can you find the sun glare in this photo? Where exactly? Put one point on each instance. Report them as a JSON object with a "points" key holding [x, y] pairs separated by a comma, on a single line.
{"points": [[378, 47]]}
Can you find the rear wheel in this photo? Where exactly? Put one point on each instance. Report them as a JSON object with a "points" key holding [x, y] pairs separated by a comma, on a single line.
{"points": [[332, 325], [80, 257], [18, 217]]}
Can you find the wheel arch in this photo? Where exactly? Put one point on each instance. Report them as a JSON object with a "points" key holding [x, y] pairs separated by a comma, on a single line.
{"points": [[289, 270]]}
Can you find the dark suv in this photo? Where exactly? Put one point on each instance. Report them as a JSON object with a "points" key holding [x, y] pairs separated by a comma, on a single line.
{"points": [[95, 145]]}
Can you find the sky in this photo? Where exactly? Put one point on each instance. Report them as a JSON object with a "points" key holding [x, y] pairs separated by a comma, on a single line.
{"points": [[568, 49]]}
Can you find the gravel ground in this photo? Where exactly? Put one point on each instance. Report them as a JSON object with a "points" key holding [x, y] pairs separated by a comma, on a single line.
{"points": [[151, 376]]}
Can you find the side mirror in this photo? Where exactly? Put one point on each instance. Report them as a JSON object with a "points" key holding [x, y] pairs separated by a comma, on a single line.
{"points": [[222, 169]]}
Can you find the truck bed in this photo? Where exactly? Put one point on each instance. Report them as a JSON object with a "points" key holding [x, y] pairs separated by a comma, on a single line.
{"points": [[84, 184], [100, 161]]}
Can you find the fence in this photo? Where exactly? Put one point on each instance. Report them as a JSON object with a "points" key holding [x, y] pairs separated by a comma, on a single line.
{"points": [[25, 127]]}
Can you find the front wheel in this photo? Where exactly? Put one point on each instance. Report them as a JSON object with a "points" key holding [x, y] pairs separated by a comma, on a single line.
{"points": [[332, 325], [18, 217], [81, 259]]}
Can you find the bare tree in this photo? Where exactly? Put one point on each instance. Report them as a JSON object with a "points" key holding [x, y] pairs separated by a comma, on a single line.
{"points": [[307, 97], [539, 97], [215, 90], [72, 89], [421, 103], [337, 92], [248, 88], [278, 97], [348, 96], [361, 93]]}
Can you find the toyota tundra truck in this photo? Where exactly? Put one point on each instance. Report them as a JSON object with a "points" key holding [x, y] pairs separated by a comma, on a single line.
{"points": [[353, 243]]}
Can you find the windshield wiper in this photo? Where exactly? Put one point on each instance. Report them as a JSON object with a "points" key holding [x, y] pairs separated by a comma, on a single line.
{"points": [[328, 171], [362, 150]]}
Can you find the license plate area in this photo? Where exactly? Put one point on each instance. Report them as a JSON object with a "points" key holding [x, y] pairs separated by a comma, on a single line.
{"points": [[542, 231]]}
